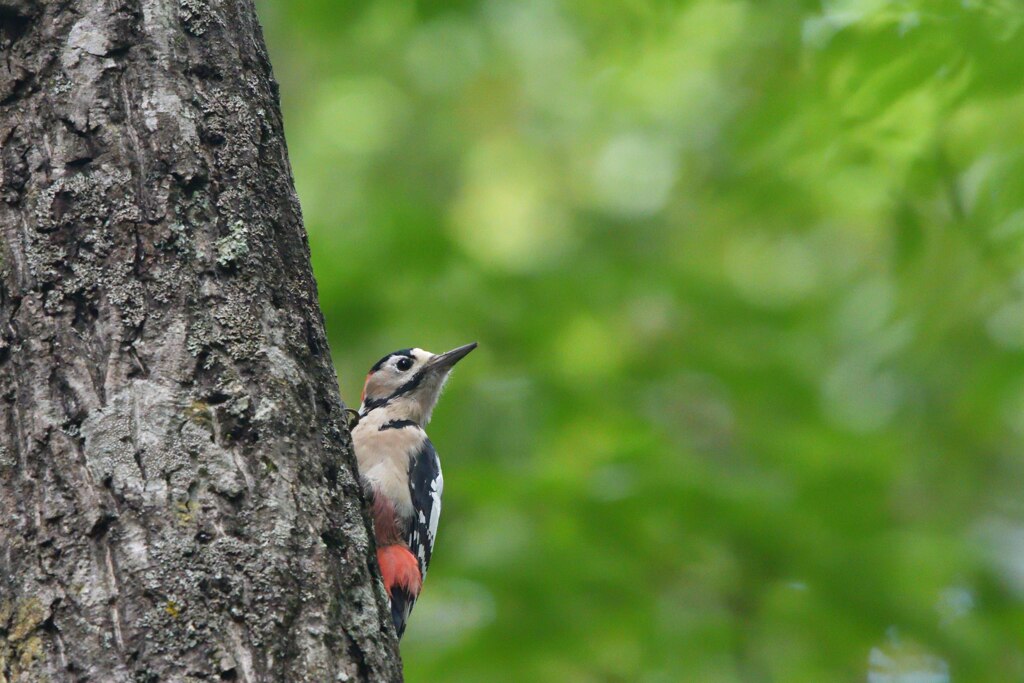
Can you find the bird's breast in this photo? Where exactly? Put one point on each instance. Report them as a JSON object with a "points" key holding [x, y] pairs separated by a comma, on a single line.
{"points": [[384, 458]]}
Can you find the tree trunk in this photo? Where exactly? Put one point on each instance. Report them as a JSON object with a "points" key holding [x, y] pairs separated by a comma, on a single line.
{"points": [[177, 489]]}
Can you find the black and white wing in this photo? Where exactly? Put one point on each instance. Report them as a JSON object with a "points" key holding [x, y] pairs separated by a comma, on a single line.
{"points": [[425, 487]]}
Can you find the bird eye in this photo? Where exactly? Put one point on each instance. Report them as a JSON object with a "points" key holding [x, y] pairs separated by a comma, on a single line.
{"points": [[404, 364]]}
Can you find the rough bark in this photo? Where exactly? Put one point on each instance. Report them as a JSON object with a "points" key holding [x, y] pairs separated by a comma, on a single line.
{"points": [[177, 488]]}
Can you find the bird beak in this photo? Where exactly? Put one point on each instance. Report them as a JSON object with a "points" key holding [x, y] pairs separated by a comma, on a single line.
{"points": [[445, 361]]}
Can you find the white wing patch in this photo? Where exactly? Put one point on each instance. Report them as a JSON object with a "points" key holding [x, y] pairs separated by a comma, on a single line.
{"points": [[436, 488]]}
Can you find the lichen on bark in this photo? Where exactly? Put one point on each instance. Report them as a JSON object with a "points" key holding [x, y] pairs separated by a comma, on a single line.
{"points": [[176, 478]]}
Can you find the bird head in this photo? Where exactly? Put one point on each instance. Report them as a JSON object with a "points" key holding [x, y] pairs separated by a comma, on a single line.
{"points": [[408, 382]]}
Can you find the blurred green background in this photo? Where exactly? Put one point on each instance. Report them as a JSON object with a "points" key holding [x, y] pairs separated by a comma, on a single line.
{"points": [[748, 279]]}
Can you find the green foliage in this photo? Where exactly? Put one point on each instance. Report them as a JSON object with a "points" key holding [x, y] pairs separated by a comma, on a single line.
{"points": [[748, 279]]}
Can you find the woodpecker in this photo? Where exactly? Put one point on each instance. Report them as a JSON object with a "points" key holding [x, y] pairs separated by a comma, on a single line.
{"points": [[399, 467]]}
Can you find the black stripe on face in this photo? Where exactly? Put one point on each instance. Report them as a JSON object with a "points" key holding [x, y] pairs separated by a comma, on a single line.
{"points": [[398, 424], [414, 382], [401, 352], [371, 404]]}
